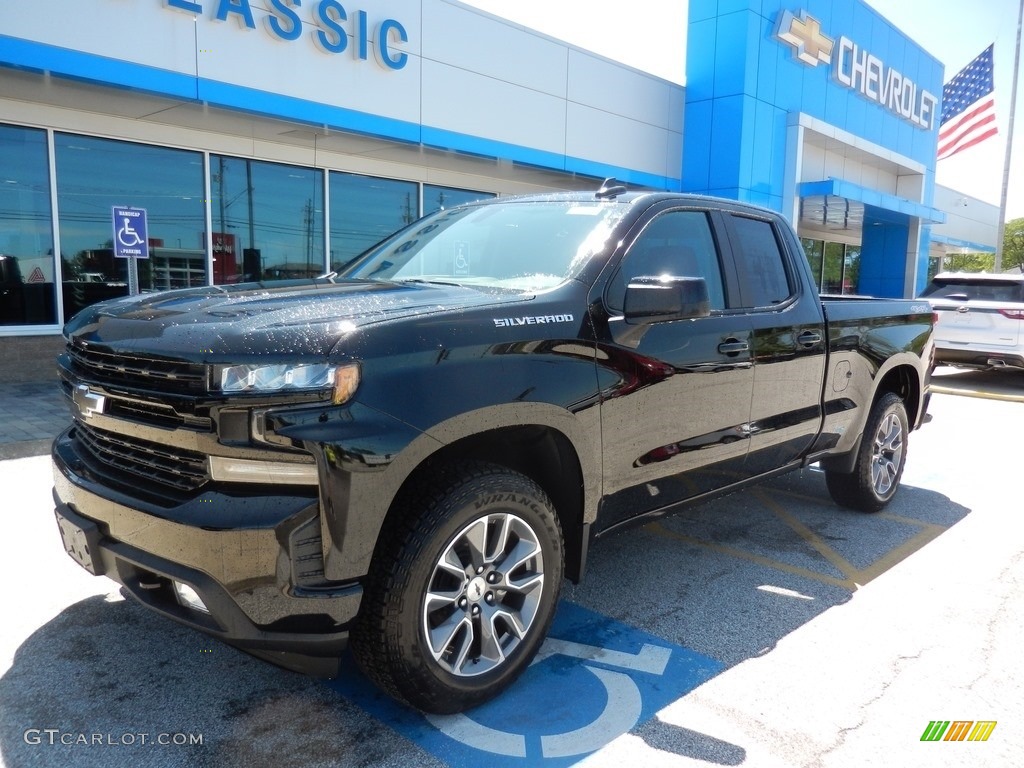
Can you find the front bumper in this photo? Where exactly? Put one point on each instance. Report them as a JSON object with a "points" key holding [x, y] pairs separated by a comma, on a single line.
{"points": [[250, 576]]}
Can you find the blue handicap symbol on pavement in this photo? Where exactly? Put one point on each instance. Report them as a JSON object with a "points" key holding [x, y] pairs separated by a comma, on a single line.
{"points": [[593, 680]]}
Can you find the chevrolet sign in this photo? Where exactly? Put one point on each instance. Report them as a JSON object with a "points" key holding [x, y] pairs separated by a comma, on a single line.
{"points": [[858, 69]]}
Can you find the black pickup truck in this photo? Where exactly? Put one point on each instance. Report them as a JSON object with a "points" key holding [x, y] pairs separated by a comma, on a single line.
{"points": [[415, 452]]}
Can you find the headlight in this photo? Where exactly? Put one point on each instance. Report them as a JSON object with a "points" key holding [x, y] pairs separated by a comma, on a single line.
{"points": [[341, 379]]}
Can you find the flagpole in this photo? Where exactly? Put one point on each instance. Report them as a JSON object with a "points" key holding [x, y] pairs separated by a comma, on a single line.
{"points": [[1001, 228]]}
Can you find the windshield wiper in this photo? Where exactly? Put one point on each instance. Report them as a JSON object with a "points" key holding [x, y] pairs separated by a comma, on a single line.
{"points": [[431, 281]]}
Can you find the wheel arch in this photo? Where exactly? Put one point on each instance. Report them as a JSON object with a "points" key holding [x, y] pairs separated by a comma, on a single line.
{"points": [[903, 379], [541, 453], [557, 449]]}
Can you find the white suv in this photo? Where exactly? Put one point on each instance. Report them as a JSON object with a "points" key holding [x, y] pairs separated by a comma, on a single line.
{"points": [[980, 319]]}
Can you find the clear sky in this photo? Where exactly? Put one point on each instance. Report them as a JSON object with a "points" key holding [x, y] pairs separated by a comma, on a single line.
{"points": [[651, 35]]}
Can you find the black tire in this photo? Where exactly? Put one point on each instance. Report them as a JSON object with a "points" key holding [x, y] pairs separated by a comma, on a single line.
{"points": [[880, 459], [464, 646]]}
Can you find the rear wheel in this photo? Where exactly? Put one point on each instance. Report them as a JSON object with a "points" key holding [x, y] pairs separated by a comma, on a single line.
{"points": [[880, 459], [463, 590]]}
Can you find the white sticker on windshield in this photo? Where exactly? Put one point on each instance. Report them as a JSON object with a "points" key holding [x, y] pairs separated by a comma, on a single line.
{"points": [[585, 210], [461, 258]]}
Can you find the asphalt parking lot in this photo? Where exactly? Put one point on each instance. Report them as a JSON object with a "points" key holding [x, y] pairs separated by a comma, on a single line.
{"points": [[769, 628]]}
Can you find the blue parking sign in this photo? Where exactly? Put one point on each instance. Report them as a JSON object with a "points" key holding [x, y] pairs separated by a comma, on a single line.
{"points": [[130, 238]]}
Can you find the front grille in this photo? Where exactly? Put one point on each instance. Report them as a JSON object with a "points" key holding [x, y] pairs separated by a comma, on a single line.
{"points": [[178, 412], [124, 460], [135, 371]]}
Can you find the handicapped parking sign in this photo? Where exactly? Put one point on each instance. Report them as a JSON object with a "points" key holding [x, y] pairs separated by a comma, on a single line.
{"points": [[130, 239], [593, 680]]}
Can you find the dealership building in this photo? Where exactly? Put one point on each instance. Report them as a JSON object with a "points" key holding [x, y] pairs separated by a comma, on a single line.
{"points": [[233, 140]]}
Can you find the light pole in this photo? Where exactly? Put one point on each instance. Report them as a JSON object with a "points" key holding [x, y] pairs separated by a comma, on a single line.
{"points": [[1001, 227]]}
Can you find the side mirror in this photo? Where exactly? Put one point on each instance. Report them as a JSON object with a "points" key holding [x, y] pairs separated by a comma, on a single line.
{"points": [[660, 299]]}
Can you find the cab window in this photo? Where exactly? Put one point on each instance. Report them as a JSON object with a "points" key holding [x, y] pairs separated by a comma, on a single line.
{"points": [[759, 260], [675, 244]]}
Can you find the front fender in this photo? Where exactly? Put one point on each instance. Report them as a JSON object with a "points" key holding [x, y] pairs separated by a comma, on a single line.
{"points": [[365, 456]]}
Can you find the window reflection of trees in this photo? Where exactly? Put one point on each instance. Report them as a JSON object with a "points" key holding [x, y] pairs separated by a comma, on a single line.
{"points": [[273, 213]]}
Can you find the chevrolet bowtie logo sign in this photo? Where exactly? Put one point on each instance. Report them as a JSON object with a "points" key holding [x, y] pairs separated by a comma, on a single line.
{"points": [[854, 66], [88, 403], [804, 34]]}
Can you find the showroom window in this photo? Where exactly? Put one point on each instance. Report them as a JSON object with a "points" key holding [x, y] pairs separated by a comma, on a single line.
{"points": [[93, 176], [836, 267], [365, 210], [268, 220], [27, 273], [435, 198]]}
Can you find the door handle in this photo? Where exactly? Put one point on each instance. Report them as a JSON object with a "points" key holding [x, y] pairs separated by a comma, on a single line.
{"points": [[809, 338], [733, 347]]}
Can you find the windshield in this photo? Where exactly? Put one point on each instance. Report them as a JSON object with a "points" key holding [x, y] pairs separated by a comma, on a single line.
{"points": [[526, 246]]}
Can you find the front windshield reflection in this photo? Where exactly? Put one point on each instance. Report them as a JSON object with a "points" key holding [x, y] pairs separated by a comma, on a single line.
{"points": [[527, 246]]}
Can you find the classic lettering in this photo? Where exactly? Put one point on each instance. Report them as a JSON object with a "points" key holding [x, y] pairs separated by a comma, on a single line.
{"points": [[239, 7], [283, 21], [398, 60], [331, 26], [331, 38]]}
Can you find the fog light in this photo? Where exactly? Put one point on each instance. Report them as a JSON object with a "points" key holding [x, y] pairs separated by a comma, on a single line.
{"points": [[189, 598]]}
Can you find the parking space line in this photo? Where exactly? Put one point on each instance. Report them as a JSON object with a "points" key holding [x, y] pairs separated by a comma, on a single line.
{"points": [[660, 530], [929, 531], [854, 577], [844, 566], [881, 515]]}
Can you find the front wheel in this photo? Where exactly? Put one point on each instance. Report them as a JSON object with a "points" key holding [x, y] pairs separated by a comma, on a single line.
{"points": [[880, 459], [462, 590]]}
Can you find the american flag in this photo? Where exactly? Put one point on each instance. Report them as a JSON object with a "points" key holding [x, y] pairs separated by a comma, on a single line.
{"points": [[968, 107]]}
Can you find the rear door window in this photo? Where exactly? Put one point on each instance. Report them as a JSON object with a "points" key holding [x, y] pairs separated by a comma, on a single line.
{"points": [[764, 277]]}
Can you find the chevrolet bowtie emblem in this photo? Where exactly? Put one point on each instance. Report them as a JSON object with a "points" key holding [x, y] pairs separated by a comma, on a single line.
{"points": [[88, 403], [805, 36]]}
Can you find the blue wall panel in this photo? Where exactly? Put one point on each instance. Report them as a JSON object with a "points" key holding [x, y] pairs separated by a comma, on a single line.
{"points": [[696, 157], [725, 147], [883, 253], [764, 136], [767, 62], [731, 55], [700, 60]]}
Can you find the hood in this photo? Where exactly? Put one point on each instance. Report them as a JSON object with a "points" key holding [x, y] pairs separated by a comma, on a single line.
{"points": [[283, 318]]}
